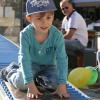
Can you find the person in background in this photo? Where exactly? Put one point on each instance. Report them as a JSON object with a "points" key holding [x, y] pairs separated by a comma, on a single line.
{"points": [[73, 27], [42, 57]]}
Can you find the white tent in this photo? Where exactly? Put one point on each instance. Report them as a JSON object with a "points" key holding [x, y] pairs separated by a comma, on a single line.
{"points": [[87, 3], [86, 0]]}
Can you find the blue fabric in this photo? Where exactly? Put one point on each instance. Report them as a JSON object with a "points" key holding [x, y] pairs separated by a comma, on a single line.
{"points": [[8, 52], [76, 94]]}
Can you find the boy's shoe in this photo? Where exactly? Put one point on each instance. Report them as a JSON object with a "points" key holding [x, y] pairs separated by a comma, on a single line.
{"points": [[44, 84], [4, 72]]}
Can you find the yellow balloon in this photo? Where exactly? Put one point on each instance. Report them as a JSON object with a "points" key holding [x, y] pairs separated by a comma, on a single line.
{"points": [[79, 77]]}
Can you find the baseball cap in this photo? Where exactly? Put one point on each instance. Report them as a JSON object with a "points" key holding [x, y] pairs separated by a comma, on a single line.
{"points": [[36, 6]]}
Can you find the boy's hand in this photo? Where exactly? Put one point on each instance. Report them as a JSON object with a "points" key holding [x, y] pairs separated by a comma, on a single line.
{"points": [[32, 92], [62, 91]]}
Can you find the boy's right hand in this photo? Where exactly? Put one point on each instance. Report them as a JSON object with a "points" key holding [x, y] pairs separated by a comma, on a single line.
{"points": [[62, 91], [32, 92]]}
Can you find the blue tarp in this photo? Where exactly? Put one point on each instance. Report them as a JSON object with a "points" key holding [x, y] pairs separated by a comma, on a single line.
{"points": [[8, 52]]}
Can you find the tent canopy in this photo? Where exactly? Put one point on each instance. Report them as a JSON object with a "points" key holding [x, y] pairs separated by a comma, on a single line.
{"points": [[81, 1], [87, 3]]}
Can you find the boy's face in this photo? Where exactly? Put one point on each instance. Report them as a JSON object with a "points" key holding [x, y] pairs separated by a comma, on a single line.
{"points": [[42, 21]]}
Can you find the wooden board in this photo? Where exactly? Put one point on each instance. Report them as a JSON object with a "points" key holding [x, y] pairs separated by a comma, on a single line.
{"points": [[17, 94], [74, 92], [3, 96]]}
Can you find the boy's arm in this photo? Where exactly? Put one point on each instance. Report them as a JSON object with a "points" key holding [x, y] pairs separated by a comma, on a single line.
{"points": [[62, 60], [62, 65], [24, 58]]}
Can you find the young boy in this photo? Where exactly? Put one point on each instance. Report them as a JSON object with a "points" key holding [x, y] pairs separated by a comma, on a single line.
{"points": [[42, 53]]}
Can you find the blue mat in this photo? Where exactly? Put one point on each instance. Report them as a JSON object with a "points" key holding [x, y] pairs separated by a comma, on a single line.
{"points": [[9, 53], [76, 94]]}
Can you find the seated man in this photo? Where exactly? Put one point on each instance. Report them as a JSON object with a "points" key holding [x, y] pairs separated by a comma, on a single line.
{"points": [[73, 27]]}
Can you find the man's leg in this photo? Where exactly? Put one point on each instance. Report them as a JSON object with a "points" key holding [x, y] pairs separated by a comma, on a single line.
{"points": [[73, 45]]}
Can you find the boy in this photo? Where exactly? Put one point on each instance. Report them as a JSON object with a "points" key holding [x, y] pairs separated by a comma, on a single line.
{"points": [[42, 57]]}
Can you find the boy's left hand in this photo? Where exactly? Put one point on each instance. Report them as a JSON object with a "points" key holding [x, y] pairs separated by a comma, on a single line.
{"points": [[62, 91]]}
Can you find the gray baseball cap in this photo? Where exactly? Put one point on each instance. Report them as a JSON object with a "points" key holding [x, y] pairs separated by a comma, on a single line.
{"points": [[36, 6]]}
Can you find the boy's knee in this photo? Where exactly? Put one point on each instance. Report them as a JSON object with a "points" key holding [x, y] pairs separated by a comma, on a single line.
{"points": [[16, 79], [19, 82]]}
